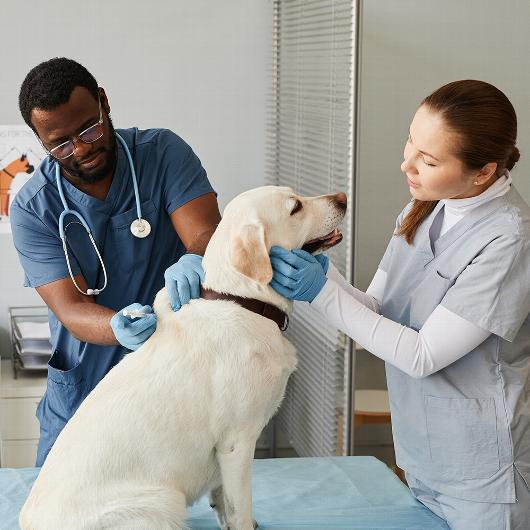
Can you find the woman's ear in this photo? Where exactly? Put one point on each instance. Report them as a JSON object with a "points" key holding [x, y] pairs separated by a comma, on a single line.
{"points": [[485, 173], [249, 253]]}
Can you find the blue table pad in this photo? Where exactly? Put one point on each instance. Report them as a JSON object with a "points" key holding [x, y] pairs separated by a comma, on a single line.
{"points": [[340, 493]]}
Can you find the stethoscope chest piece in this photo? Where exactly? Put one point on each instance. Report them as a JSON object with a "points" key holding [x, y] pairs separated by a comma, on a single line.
{"points": [[140, 228]]}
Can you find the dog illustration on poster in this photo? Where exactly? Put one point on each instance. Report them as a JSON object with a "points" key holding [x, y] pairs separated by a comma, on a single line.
{"points": [[10, 182], [20, 155]]}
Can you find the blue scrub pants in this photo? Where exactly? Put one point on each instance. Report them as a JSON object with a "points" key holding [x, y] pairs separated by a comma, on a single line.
{"points": [[470, 515]]}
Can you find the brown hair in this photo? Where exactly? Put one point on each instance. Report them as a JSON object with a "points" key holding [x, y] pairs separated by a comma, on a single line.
{"points": [[485, 122]]}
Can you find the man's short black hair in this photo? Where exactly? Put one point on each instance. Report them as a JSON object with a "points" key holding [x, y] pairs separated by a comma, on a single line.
{"points": [[51, 83]]}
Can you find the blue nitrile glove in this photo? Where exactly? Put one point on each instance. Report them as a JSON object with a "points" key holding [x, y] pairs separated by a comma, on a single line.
{"points": [[297, 275], [183, 280], [133, 332], [323, 260]]}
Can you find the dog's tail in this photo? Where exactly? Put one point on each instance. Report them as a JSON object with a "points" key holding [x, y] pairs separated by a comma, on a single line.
{"points": [[145, 507]]}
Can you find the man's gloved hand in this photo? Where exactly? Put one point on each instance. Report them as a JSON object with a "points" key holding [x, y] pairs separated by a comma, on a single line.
{"points": [[133, 332], [297, 275], [183, 280]]}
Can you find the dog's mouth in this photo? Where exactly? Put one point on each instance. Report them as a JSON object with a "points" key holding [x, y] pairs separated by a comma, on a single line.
{"points": [[323, 243]]}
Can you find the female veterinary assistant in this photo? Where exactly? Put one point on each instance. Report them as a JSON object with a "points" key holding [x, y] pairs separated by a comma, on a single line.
{"points": [[448, 310], [90, 175]]}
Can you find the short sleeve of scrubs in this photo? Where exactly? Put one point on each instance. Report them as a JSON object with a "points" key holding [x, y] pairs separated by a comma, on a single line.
{"points": [[493, 291], [385, 260], [186, 179], [40, 252]]}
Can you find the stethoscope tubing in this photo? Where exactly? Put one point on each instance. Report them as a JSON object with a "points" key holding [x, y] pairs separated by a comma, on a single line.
{"points": [[82, 221]]}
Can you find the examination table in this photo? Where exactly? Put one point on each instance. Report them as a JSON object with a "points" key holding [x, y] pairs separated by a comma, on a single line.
{"points": [[344, 493]]}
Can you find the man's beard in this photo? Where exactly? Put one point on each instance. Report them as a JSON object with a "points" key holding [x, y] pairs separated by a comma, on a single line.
{"points": [[85, 177]]}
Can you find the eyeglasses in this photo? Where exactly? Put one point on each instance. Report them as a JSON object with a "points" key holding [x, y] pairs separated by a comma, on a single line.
{"points": [[88, 136]]}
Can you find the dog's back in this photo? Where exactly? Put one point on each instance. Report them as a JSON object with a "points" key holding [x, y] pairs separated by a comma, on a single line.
{"points": [[183, 390]]}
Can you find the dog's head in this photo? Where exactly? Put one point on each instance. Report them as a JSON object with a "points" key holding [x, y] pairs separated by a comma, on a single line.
{"points": [[271, 215]]}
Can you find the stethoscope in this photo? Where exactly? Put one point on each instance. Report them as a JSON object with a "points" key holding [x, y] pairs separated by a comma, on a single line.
{"points": [[139, 227]]}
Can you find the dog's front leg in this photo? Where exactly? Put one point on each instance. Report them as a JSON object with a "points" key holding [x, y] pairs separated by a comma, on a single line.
{"points": [[235, 462], [217, 502]]}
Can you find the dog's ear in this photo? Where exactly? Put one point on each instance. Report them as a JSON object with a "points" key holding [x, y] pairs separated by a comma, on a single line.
{"points": [[249, 255]]}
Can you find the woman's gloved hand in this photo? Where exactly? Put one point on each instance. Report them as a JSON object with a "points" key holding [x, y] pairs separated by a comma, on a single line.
{"points": [[183, 280], [324, 262], [297, 275], [130, 331]]}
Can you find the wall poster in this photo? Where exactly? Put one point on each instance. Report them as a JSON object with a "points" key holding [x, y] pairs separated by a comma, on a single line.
{"points": [[20, 155]]}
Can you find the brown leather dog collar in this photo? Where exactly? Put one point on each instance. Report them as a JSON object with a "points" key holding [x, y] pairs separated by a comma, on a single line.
{"points": [[257, 306]]}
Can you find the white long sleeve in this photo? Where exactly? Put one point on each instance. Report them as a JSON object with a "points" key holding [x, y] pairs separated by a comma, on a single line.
{"points": [[444, 338], [366, 299], [377, 286]]}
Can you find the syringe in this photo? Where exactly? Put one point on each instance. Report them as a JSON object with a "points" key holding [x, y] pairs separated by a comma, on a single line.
{"points": [[133, 313]]}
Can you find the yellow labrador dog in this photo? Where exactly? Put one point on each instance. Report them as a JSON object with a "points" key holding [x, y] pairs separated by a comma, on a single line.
{"points": [[180, 416]]}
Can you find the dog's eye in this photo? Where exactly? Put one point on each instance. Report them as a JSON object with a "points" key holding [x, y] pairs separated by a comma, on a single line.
{"points": [[297, 207]]}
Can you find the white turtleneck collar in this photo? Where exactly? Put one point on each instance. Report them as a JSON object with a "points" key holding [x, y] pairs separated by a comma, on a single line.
{"points": [[455, 209], [497, 189]]}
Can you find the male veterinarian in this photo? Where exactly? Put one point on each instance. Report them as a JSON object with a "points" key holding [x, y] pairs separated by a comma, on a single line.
{"points": [[103, 221]]}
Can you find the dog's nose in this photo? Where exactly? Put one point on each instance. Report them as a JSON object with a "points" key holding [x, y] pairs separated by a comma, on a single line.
{"points": [[341, 200]]}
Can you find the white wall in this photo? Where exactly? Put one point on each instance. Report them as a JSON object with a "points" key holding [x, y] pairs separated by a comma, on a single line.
{"points": [[200, 68]]}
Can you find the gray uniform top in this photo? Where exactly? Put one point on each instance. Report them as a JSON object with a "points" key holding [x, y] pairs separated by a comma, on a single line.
{"points": [[461, 430]]}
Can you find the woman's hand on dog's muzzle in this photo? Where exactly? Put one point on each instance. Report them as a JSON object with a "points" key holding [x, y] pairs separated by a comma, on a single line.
{"points": [[297, 275]]}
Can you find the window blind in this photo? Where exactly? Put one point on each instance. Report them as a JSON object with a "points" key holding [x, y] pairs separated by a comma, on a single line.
{"points": [[310, 147]]}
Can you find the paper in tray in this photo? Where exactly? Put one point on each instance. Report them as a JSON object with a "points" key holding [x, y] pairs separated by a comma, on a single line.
{"points": [[41, 348], [29, 330], [34, 347], [34, 362]]}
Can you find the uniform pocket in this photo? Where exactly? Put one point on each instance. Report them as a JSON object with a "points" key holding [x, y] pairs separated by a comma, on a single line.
{"points": [[462, 436], [122, 222], [131, 251], [66, 388]]}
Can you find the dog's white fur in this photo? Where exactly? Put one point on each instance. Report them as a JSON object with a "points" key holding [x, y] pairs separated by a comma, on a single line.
{"points": [[180, 416]]}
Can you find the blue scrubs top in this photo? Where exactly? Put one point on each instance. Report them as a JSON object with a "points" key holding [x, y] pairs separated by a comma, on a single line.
{"points": [[169, 175]]}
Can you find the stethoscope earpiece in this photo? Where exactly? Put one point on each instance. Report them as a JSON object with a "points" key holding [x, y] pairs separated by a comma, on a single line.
{"points": [[139, 227]]}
